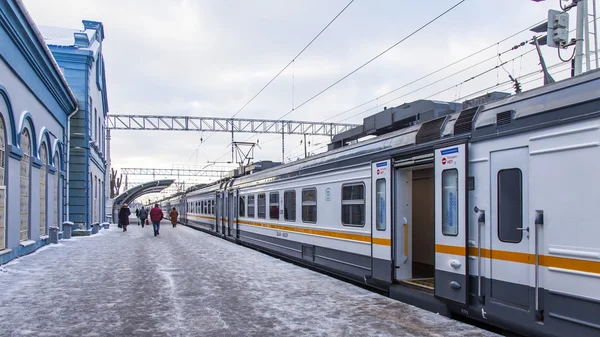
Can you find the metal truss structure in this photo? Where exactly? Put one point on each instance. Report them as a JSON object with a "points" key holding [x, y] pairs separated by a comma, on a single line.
{"points": [[175, 172], [216, 124]]}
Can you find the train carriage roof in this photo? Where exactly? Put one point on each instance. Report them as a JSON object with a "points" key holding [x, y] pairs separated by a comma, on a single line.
{"points": [[478, 120]]}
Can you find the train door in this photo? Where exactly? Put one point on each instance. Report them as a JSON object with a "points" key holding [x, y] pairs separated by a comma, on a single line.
{"points": [[224, 213], [451, 232], [231, 213], [381, 243], [414, 236], [219, 212], [512, 262]]}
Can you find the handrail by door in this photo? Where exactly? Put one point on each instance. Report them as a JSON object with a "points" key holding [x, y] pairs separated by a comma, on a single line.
{"points": [[480, 227], [405, 258], [539, 222]]}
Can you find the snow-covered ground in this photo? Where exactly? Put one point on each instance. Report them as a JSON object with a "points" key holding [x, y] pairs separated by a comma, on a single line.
{"points": [[187, 283]]}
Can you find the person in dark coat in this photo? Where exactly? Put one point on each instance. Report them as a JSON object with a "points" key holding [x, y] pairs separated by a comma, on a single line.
{"points": [[143, 216], [124, 214]]}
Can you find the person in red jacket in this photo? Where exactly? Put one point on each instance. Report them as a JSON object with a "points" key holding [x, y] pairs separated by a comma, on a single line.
{"points": [[156, 214]]}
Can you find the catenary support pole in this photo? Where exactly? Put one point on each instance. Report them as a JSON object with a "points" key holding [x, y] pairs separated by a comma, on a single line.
{"points": [[581, 18], [282, 143]]}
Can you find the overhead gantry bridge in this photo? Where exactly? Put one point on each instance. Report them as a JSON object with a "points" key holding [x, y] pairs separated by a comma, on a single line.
{"points": [[175, 172], [216, 124], [231, 125]]}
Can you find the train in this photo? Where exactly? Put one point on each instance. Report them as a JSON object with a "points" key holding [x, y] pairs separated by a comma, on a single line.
{"points": [[484, 211]]}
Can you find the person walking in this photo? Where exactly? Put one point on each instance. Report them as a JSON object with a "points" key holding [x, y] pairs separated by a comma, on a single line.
{"points": [[137, 215], [174, 214], [124, 214], [156, 214], [143, 216]]}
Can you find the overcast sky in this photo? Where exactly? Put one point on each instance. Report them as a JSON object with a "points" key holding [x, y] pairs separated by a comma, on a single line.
{"points": [[209, 57]]}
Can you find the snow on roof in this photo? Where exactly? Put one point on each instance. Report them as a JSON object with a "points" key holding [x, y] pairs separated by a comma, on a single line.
{"points": [[64, 37]]}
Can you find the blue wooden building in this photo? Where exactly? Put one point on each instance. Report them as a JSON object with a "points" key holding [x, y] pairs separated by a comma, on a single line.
{"points": [[35, 105], [79, 55]]}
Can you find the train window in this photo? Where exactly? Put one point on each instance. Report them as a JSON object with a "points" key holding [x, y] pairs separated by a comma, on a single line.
{"points": [[203, 207], [251, 206], [274, 206], [510, 205], [289, 205], [212, 207], [242, 207], [380, 203], [450, 202], [309, 205], [353, 205], [262, 212]]}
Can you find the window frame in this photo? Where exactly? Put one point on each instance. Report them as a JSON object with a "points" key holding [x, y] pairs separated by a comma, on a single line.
{"points": [[253, 196], [264, 195], [276, 193], [499, 211], [444, 233], [242, 206], [302, 204], [353, 202], [293, 206], [377, 206]]}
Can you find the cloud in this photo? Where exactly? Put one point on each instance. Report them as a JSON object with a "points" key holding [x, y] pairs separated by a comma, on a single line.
{"points": [[208, 58]]}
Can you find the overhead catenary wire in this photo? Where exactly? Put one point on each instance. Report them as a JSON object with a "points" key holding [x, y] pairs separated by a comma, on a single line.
{"points": [[448, 66], [373, 59], [289, 63], [443, 79], [463, 70]]}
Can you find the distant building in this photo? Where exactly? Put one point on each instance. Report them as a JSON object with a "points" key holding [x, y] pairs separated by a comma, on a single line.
{"points": [[79, 55], [35, 105]]}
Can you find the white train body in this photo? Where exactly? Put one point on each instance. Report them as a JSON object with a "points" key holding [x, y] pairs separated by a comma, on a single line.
{"points": [[490, 211]]}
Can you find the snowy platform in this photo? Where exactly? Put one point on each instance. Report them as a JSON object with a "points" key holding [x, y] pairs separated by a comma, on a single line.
{"points": [[187, 283]]}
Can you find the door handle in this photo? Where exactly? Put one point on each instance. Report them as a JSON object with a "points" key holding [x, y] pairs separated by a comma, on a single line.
{"points": [[523, 229]]}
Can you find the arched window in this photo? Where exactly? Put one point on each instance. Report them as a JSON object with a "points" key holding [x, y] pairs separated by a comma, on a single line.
{"points": [[100, 200], [95, 216], [56, 189], [2, 190], [43, 180], [25, 169]]}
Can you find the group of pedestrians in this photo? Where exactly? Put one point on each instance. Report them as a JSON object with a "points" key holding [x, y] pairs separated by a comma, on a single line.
{"points": [[156, 215]]}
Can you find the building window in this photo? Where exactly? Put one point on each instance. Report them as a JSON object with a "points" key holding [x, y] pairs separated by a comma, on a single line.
{"points": [[242, 207], [95, 124], [56, 189], [380, 203], [510, 205], [25, 169], [90, 118], [43, 178], [262, 206], [309, 205], [274, 206], [450, 202], [353, 205], [2, 189], [289, 205], [251, 206]]}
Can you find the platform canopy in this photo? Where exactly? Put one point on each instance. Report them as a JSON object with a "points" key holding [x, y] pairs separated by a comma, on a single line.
{"points": [[137, 191]]}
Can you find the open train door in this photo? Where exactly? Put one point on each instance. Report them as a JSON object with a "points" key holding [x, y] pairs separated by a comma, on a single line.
{"points": [[451, 253], [381, 243]]}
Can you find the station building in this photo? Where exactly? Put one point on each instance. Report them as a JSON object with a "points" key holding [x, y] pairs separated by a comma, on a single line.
{"points": [[79, 55], [36, 103]]}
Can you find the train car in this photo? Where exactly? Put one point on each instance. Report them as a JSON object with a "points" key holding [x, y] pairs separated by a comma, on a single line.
{"points": [[199, 209], [485, 212]]}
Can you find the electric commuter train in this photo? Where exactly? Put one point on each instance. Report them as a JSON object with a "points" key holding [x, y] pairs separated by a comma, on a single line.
{"points": [[487, 212]]}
